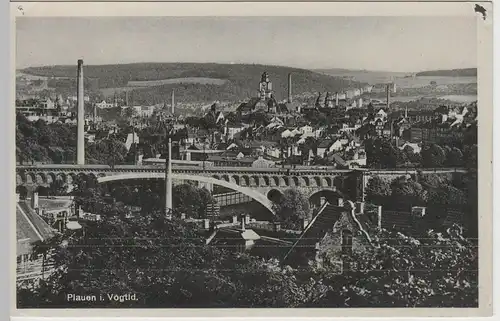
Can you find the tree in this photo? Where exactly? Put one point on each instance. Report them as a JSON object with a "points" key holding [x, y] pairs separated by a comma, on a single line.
{"points": [[191, 200], [378, 190], [129, 113], [433, 155], [406, 192], [470, 156], [109, 151], [454, 157], [292, 207], [437, 270], [381, 153], [167, 264], [448, 196], [58, 187]]}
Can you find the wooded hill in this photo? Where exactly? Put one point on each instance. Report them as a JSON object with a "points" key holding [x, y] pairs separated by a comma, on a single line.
{"points": [[241, 80], [468, 72]]}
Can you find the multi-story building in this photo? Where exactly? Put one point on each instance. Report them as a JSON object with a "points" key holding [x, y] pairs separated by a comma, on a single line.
{"points": [[104, 105], [34, 110]]}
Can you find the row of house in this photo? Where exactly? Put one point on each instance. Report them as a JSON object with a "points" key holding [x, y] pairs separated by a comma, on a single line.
{"points": [[337, 229]]}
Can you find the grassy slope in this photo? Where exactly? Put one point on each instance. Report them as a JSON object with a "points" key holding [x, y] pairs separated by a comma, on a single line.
{"points": [[242, 79]]}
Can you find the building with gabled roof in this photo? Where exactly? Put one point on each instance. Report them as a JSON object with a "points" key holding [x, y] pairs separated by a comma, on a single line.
{"points": [[335, 231], [30, 230]]}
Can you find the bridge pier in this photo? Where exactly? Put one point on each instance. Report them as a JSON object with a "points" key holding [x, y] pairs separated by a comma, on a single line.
{"points": [[208, 186]]}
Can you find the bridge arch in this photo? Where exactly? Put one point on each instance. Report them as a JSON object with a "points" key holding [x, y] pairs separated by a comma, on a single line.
{"points": [[235, 179], [274, 195], [40, 178], [71, 178], [262, 199], [61, 177], [19, 179], [326, 182], [22, 191], [51, 177], [331, 194], [338, 182], [245, 181], [254, 181]]}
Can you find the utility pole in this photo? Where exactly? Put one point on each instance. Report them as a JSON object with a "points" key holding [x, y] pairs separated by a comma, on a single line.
{"points": [[168, 170], [204, 155]]}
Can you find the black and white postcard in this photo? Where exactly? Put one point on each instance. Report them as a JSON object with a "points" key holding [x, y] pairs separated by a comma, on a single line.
{"points": [[237, 159]]}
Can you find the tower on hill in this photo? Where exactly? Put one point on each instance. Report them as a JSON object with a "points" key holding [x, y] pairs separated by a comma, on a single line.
{"points": [[265, 87]]}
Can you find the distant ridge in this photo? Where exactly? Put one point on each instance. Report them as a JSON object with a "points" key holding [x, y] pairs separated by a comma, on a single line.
{"points": [[232, 82], [343, 70], [466, 72]]}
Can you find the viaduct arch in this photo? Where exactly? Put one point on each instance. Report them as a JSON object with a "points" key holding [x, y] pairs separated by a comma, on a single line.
{"points": [[259, 197]]}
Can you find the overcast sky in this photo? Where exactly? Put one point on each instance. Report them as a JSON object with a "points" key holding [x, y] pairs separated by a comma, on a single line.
{"points": [[386, 43]]}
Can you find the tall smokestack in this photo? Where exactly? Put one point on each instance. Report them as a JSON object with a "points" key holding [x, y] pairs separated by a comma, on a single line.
{"points": [[126, 97], [173, 102], [336, 99], [388, 92], [81, 116], [168, 181], [290, 87]]}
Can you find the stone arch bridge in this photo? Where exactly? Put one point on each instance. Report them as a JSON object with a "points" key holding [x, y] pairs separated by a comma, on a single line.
{"points": [[258, 183]]}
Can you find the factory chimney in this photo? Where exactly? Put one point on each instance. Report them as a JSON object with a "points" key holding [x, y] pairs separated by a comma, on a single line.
{"points": [[336, 99], [80, 115], [173, 102], [290, 87], [388, 92], [126, 98]]}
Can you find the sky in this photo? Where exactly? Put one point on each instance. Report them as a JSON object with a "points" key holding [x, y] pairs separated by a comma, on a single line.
{"points": [[399, 44]]}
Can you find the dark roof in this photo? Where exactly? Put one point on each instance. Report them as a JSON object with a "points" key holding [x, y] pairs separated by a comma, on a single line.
{"points": [[397, 220], [248, 106], [325, 143], [268, 247], [30, 227], [317, 229], [454, 217], [231, 153], [234, 125], [222, 146], [441, 109], [338, 159]]}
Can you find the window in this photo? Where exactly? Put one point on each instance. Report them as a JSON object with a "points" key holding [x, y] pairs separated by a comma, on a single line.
{"points": [[346, 242]]}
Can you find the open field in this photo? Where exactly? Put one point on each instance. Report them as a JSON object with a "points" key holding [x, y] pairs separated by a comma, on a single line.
{"points": [[187, 80]]}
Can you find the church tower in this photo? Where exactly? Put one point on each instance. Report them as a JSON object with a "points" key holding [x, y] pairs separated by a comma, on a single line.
{"points": [[265, 87]]}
